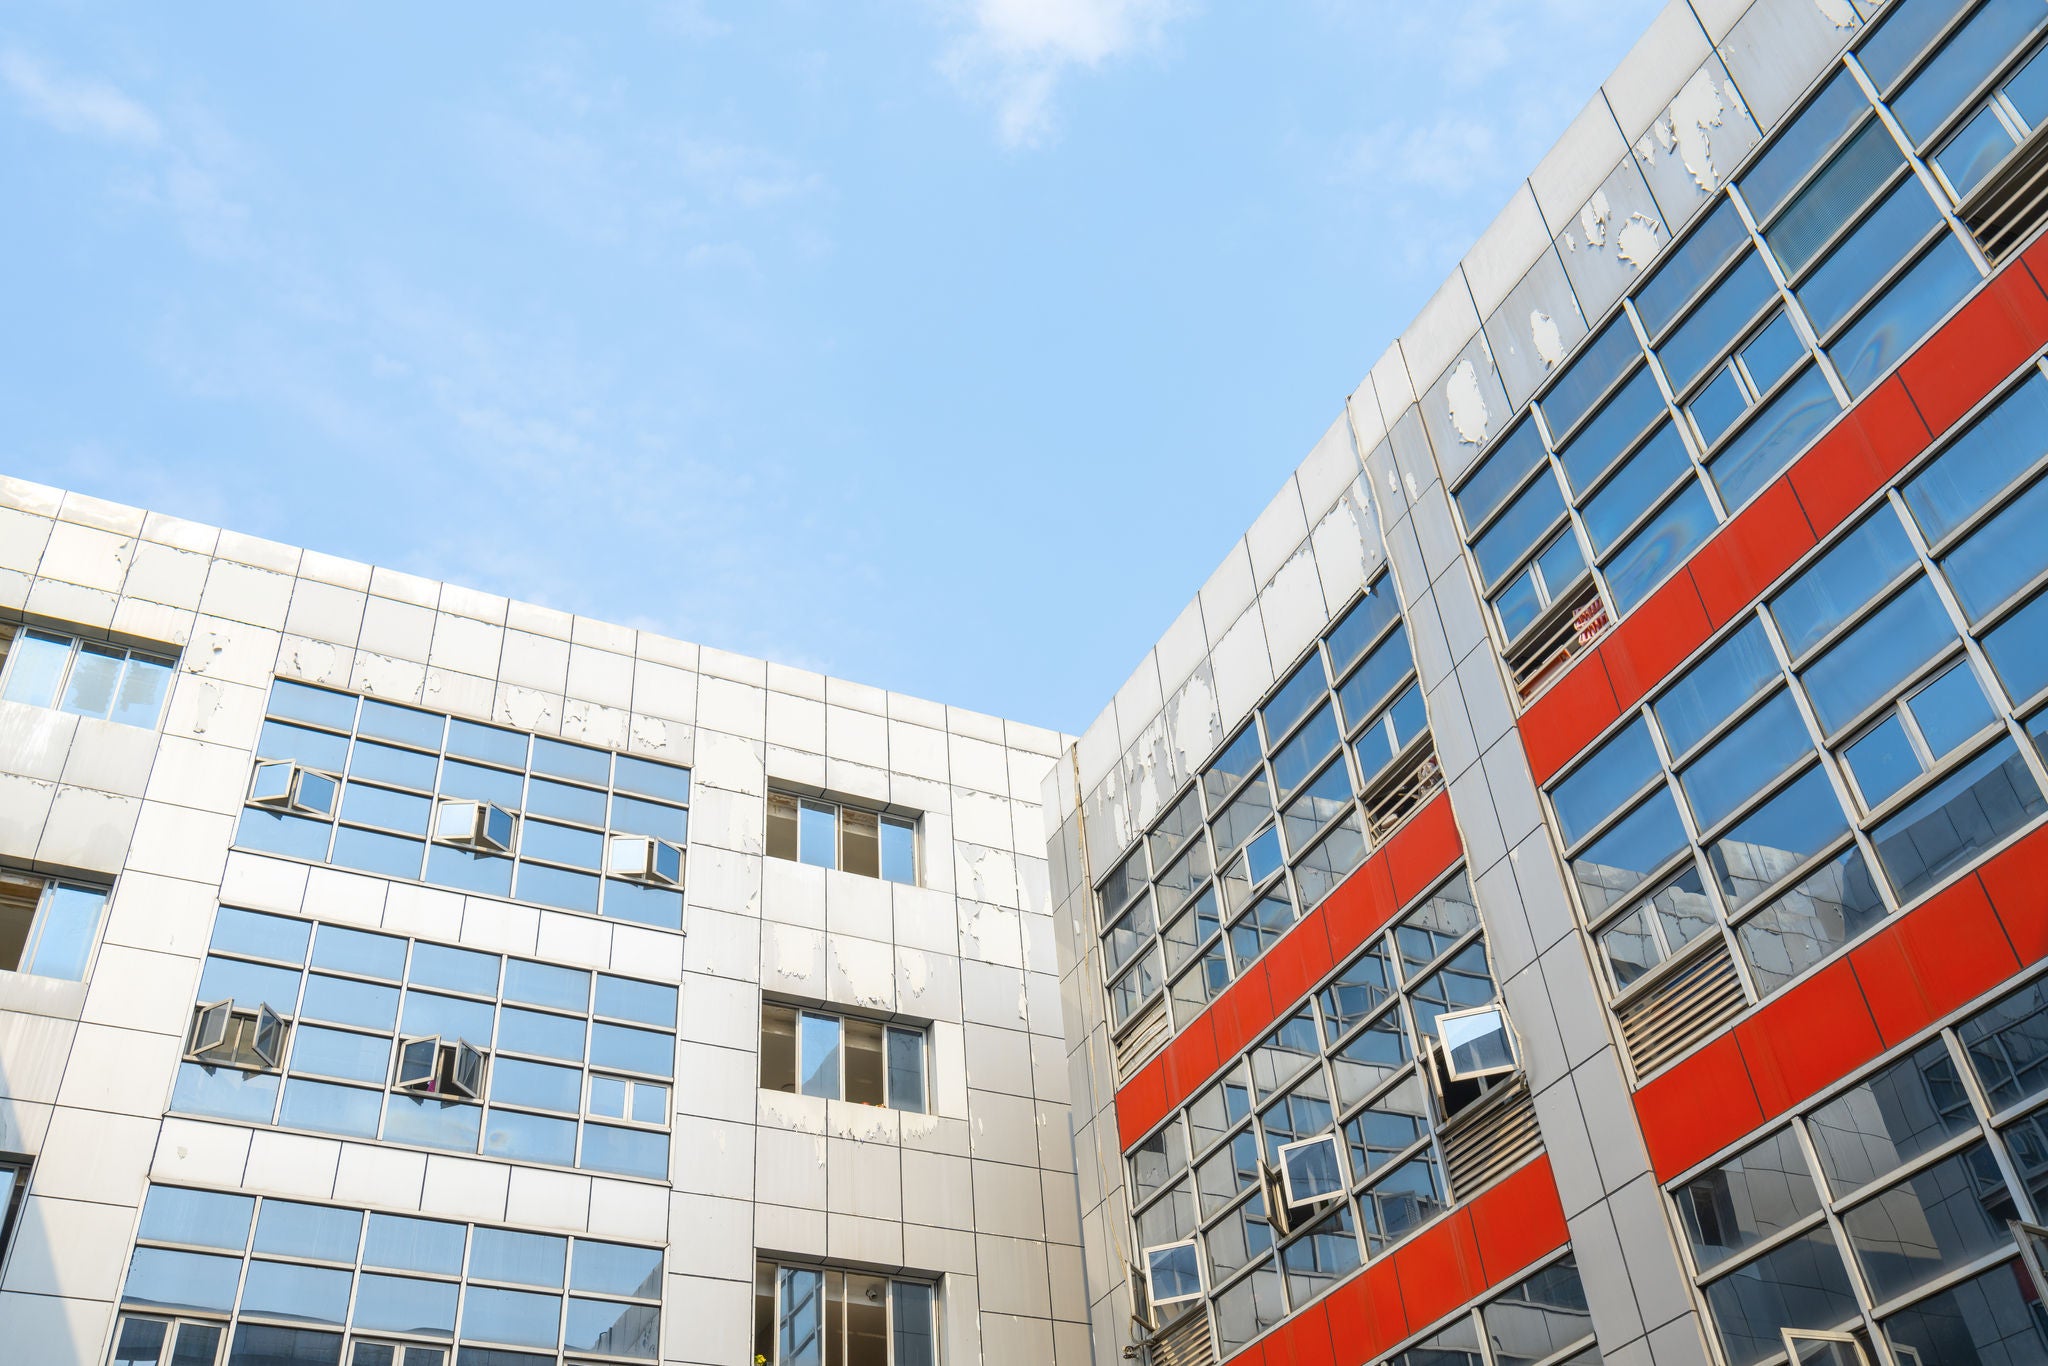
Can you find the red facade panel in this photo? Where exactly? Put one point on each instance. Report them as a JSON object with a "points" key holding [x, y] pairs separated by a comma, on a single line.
{"points": [[1807, 1037], [1698, 1107], [1854, 460], [2017, 882], [1929, 964], [1975, 350], [1565, 719], [1747, 555], [1670, 625], [1520, 1221]]}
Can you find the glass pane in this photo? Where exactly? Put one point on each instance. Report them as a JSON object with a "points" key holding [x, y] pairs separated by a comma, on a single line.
{"points": [[401, 1243], [1715, 688], [628, 999], [1991, 1320], [1519, 528], [1608, 870], [818, 1065], [800, 1318], [1739, 297], [1321, 1257], [1978, 465], [1766, 743], [1315, 741], [1957, 819], [35, 667], [818, 834], [432, 1123], [1904, 313], [1406, 1198], [1890, 1118], [866, 1074], [550, 1036], [1362, 625], [64, 940], [1832, 906], [916, 1332], [261, 1345], [1883, 760], [1801, 1284], [181, 1280], [544, 984], [1950, 710], [205, 1218], [1301, 691], [1974, 151], [517, 1317], [1593, 449], [401, 1304], [1793, 826], [1831, 199], [2007, 1044], [95, 674], [144, 684], [1841, 581], [633, 1050], [906, 1070], [280, 1290], [2001, 556], [1757, 1193], [1539, 1317], [1967, 58], [1872, 660], [1938, 1219], [225, 1092], [314, 1232], [1718, 237], [1660, 546], [371, 955], [140, 1343], [1772, 352], [521, 1258], [631, 1152], [1717, 407], [899, 851], [1800, 145], [1773, 437], [1617, 771], [1589, 375], [435, 965], [619, 1330]]}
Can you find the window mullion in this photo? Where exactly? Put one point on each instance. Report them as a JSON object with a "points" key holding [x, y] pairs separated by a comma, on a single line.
{"points": [[1930, 184]]}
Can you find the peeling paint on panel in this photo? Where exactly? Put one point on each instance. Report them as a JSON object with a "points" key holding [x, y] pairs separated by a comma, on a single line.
{"points": [[1594, 217], [917, 972], [1638, 240], [1193, 723], [1543, 331], [526, 708], [1687, 128], [206, 703], [1468, 404], [1840, 13], [874, 993], [204, 654], [649, 734]]}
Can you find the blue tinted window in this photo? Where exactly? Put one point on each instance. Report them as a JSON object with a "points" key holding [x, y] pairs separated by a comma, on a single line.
{"points": [[1588, 376], [1905, 313], [1718, 237], [312, 748], [544, 984], [2002, 556], [1878, 243], [558, 886], [1295, 697], [1832, 199], [530, 1138], [1800, 144], [1841, 581], [1499, 475], [550, 1036], [330, 1109], [1713, 325], [432, 1123], [248, 985], [1654, 468], [1613, 866], [451, 1017], [1660, 546], [1801, 820], [388, 809], [338, 1053], [1714, 688], [564, 802], [390, 855], [436, 965], [1957, 820], [315, 1232], [488, 743], [1763, 449], [336, 711], [2018, 650], [1615, 773], [651, 779], [1595, 447], [206, 1218], [1362, 625], [347, 950], [164, 1279], [260, 936], [407, 726], [497, 1254], [401, 1304], [626, 999], [273, 833], [1519, 528], [347, 1002], [225, 1091], [1877, 656], [1310, 745], [1391, 663], [402, 1243], [1999, 446], [1764, 745], [538, 1084], [1965, 61], [632, 1050]]}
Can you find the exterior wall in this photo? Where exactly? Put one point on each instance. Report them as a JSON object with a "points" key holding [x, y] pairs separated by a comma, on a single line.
{"points": [[1688, 111], [979, 1194]]}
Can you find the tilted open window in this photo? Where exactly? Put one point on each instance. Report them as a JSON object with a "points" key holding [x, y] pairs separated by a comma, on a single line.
{"points": [[1476, 1043], [252, 1040], [640, 858], [1173, 1272], [287, 786], [1311, 1171], [476, 826], [429, 1064], [1806, 1347]]}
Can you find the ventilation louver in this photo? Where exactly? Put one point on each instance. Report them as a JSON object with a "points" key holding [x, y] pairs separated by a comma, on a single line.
{"points": [[1676, 1016], [2012, 202]]}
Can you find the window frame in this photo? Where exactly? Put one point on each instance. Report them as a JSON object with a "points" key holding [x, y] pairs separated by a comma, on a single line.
{"points": [[40, 921], [12, 632]]}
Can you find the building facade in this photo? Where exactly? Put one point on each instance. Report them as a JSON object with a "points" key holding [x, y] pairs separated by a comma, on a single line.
{"points": [[401, 976], [1570, 887]]}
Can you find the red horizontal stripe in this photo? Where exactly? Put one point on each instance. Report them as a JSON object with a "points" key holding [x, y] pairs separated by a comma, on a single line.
{"points": [[1400, 870], [1964, 361]]}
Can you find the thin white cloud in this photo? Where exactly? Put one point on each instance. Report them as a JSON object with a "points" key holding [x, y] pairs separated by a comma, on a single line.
{"points": [[79, 106], [1013, 54]]}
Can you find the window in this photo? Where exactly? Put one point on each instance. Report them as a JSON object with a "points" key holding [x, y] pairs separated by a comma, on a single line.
{"points": [[1274, 823], [48, 928], [405, 793], [14, 1173], [1173, 1273], [84, 677], [842, 1058], [828, 835], [815, 1316], [336, 1030], [1321, 1146], [280, 1281], [1902, 1176]]}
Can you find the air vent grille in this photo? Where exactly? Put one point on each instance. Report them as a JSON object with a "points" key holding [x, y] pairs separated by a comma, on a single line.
{"points": [[1491, 1139], [1185, 1342], [2012, 203], [1142, 1038], [1571, 624], [1678, 1015]]}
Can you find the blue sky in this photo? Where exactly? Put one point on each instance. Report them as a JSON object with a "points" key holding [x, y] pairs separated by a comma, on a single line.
{"points": [[940, 344]]}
